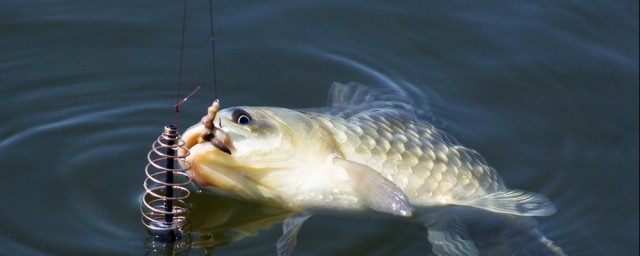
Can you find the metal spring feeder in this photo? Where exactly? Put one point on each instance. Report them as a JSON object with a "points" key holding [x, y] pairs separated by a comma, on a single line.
{"points": [[164, 210]]}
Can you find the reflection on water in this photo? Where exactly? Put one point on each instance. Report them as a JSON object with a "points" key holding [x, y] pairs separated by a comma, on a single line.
{"points": [[215, 221]]}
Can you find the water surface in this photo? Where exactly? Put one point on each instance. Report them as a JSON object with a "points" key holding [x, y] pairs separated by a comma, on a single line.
{"points": [[546, 91]]}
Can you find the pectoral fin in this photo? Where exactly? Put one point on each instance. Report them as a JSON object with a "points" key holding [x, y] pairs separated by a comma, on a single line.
{"points": [[377, 192], [290, 228], [518, 202]]}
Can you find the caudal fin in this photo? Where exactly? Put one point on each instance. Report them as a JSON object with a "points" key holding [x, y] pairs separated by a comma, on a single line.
{"points": [[518, 202]]}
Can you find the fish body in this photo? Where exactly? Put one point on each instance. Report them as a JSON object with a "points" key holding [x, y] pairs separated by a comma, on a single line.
{"points": [[369, 148], [421, 160]]}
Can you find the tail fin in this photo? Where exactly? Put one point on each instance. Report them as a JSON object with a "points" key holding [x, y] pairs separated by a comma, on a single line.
{"points": [[518, 202]]}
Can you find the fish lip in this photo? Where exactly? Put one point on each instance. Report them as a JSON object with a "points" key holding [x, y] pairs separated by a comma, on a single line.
{"points": [[217, 143], [216, 173], [219, 138], [199, 134], [190, 139], [220, 145]]}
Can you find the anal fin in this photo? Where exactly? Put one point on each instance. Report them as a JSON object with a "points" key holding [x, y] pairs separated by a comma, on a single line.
{"points": [[449, 237], [290, 228]]}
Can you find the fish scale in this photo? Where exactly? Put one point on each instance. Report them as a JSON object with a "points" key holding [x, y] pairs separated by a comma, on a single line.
{"points": [[420, 159]]}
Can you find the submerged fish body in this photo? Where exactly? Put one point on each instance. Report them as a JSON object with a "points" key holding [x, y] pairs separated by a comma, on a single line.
{"points": [[368, 149]]}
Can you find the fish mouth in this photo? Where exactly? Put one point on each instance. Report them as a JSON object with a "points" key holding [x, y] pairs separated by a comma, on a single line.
{"points": [[199, 134], [207, 153], [209, 131], [203, 136], [210, 163]]}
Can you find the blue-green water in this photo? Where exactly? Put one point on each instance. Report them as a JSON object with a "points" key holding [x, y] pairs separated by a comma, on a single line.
{"points": [[546, 91]]}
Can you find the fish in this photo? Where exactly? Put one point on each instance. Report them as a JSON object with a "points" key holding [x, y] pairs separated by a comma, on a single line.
{"points": [[369, 149]]}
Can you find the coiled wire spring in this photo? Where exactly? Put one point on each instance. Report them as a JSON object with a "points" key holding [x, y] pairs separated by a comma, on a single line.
{"points": [[164, 210]]}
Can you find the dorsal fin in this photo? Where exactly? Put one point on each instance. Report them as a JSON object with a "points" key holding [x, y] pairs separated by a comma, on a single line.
{"points": [[391, 101], [355, 94], [347, 100]]}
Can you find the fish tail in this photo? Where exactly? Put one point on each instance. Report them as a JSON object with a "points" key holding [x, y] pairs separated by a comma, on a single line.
{"points": [[517, 202]]}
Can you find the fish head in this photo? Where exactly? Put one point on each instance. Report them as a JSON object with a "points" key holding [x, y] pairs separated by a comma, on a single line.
{"points": [[257, 142]]}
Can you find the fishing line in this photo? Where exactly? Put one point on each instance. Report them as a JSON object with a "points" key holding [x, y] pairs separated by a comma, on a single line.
{"points": [[213, 52], [164, 209], [184, 26], [163, 204]]}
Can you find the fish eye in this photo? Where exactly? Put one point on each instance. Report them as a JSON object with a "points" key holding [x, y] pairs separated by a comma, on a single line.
{"points": [[241, 117]]}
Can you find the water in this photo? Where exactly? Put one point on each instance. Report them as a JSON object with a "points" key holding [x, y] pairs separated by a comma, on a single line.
{"points": [[547, 91]]}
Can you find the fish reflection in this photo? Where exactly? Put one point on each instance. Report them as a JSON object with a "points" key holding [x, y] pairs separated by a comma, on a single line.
{"points": [[215, 221]]}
